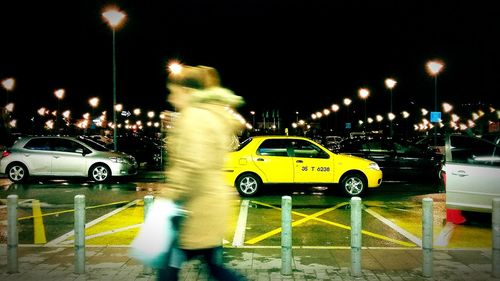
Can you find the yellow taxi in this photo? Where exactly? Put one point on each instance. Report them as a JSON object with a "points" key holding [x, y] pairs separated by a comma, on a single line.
{"points": [[262, 160]]}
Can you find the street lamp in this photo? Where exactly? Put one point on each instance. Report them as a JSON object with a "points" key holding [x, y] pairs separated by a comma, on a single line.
{"points": [[114, 17], [253, 119], [59, 95], [335, 108], [390, 84], [94, 102], [433, 68], [347, 102], [8, 85], [363, 94]]}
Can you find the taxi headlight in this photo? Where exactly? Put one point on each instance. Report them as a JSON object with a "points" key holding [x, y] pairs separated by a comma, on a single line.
{"points": [[374, 166], [118, 159]]}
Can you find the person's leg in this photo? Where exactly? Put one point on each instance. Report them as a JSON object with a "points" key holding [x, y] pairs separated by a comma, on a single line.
{"points": [[213, 258], [173, 265]]}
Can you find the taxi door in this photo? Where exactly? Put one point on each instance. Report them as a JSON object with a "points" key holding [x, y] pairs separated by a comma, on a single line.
{"points": [[272, 159], [311, 163]]}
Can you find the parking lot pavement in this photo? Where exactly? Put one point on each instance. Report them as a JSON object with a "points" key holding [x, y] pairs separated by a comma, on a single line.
{"points": [[113, 263]]}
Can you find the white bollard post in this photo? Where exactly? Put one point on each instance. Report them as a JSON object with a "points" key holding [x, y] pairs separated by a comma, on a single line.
{"points": [[427, 238], [80, 234], [356, 237], [286, 235], [495, 259], [148, 202], [12, 234]]}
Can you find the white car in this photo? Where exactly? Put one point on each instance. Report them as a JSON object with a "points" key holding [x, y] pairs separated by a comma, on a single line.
{"points": [[64, 157], [471, 173]]}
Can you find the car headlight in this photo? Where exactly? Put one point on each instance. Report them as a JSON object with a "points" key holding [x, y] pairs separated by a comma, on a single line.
{"points": [[118, 159], [374, 166]]}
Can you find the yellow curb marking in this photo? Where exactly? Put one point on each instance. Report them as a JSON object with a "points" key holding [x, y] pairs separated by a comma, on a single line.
{"points": [[315, 217], [39, 229]]}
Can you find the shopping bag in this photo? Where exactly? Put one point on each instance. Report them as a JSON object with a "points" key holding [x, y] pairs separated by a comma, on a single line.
{"points": [[157, 235]]}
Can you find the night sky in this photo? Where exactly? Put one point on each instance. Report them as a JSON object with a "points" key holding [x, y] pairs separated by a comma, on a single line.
{"points": [[289, 55]]}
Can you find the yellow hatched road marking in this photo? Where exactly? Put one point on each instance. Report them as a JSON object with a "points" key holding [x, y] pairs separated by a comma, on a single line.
{"points": [[299, 222], [72, 210], [39, 229], [315, 217]]}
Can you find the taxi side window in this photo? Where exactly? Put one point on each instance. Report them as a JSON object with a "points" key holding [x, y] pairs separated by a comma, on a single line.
{"points": [[307, 149], [273, 147]]}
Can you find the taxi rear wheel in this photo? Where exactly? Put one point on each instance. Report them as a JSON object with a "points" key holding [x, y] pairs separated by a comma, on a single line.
{"points": [[248, 185], [353, 184]]}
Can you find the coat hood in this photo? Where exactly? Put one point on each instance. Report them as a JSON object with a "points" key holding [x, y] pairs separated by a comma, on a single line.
{"points": [[217, 95]]}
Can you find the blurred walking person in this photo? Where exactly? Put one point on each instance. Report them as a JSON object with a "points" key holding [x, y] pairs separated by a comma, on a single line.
{"points": [[197, 145]]}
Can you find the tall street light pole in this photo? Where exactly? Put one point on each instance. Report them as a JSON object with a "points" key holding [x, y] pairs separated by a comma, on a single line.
{"points": [[114, 17], [363, 94], [347, 102], [8, 85], [434, 67], [59, 95], [335, 108], [390, 84]]}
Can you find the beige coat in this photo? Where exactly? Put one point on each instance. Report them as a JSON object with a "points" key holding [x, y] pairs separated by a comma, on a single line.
{"points": [[197, 146]]}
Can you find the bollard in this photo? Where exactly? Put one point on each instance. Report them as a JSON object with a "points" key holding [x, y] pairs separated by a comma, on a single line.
{"points": [[286, 235], [12, 234], [427, 237], [356, 237], [80, 234], [495, 225], [148, 202]]}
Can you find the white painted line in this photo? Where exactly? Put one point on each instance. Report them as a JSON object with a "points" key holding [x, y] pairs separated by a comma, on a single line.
{"points": [[398, 229], [445, 235], [239, 233], [63, 237], [113, 231]]}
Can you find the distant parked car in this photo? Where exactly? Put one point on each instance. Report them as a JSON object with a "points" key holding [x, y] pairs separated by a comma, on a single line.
{"points": [[398, 159], [263, 160], [147, 152], [427, 142], [471, 173], [64, 157]]}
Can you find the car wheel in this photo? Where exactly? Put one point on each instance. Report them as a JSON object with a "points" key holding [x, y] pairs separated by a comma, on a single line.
{"points": [[17, 172], [248, 184], [100, 173], [353, 184]]}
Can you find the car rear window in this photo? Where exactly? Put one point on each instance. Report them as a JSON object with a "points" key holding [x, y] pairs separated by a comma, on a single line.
{"points": [[38, 144]]}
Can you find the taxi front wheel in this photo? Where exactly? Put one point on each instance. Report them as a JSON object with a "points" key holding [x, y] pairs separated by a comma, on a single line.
{"points": [[353, 184], [248, 185]]}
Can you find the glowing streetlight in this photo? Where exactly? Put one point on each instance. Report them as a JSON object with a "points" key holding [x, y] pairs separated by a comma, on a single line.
{"points": [[434, 68], [390, 84], [114, 17], [94, 102], [175, 67], [151, 114], [137, 111], [447, 107], [119, 107], [363, 94]]}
